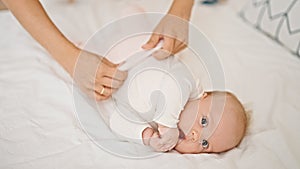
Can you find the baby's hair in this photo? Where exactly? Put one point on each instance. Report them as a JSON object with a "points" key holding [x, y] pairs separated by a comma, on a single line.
{"points": [[245, 116], [245, 113], [248, 111]]}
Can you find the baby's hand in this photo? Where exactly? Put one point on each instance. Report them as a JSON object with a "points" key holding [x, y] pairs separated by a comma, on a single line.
{"points": [[165, 140]]}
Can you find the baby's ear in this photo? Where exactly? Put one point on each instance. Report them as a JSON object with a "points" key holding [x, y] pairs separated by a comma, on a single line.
{"points": [[203, 96]]}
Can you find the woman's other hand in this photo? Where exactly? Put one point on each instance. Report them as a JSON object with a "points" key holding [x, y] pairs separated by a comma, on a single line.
{"points": [[172, 29]]}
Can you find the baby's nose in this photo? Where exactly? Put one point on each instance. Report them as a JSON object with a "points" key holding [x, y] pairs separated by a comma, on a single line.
{"points": [[195, 136]]}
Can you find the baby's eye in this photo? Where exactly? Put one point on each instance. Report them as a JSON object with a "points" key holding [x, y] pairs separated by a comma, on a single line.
{"points": [[204, 121], [204, 144]]}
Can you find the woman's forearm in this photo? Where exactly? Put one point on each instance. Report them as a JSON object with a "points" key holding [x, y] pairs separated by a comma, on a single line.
{"points": [[182, 8], [34, 19]]}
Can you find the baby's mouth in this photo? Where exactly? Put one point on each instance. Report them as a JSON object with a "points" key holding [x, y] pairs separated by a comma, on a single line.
{"points": [[181, 134], [181, 137]]}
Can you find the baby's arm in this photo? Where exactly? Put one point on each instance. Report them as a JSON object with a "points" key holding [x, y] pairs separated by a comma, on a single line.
{"points": [[175, 95]]}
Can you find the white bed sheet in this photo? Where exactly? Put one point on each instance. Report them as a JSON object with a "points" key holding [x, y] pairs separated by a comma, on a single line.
{"points": [[38, 127]]}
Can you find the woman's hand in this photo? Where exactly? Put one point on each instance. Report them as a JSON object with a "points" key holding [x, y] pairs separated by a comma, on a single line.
{"points": [[96, 76], [174, 33], [172, 29]]}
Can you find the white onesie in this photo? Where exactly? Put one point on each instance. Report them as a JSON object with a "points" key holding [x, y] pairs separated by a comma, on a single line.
{"points": [[154, 91]]}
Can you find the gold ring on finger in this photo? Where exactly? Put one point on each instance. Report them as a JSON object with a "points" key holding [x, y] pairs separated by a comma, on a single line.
{"points": [[102, 91]]}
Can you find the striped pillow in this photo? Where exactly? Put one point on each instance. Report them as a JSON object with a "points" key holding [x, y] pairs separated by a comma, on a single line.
{"points": [[278, 19]]}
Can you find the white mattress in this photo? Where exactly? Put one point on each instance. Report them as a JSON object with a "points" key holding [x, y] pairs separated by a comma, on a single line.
{"points": [[39, 129]]}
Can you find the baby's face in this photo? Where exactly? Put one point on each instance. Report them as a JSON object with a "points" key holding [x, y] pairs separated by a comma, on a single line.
{"points": [[227, 134]]}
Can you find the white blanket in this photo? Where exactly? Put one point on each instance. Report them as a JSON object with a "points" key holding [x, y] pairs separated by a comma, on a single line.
{"points": [[38, 124]]}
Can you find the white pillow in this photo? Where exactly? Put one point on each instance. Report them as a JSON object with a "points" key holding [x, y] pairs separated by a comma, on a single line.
{"points": [[279, 19]]}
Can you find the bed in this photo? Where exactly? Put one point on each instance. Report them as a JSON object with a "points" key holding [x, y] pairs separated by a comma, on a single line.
{"points": [[39, 129]]}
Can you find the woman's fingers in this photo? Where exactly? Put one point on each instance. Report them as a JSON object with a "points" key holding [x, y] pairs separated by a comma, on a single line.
{"points": [[169, 44], [97, 76], [108, 79], [166, 50], [114, 73], [179, 46], [104, 91], [109, 82], [174, 31], [118, 75], [152, 42], [100, 97], [108, 63]]}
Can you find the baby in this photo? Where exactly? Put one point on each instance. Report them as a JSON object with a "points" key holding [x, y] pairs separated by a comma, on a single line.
{"points": [[161, 104], [202, 132]]}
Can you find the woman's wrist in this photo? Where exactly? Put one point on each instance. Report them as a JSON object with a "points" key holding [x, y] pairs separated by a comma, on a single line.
{"points": [[182, 8], [67, 57], [35, 20]]}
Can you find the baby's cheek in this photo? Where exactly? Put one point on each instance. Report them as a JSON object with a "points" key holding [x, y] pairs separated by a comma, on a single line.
{"points": [[179, 148], [187, 147]]}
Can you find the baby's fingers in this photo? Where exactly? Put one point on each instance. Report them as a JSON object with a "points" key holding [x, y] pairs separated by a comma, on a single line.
{"points": [[166, 148], [155, 142]]}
